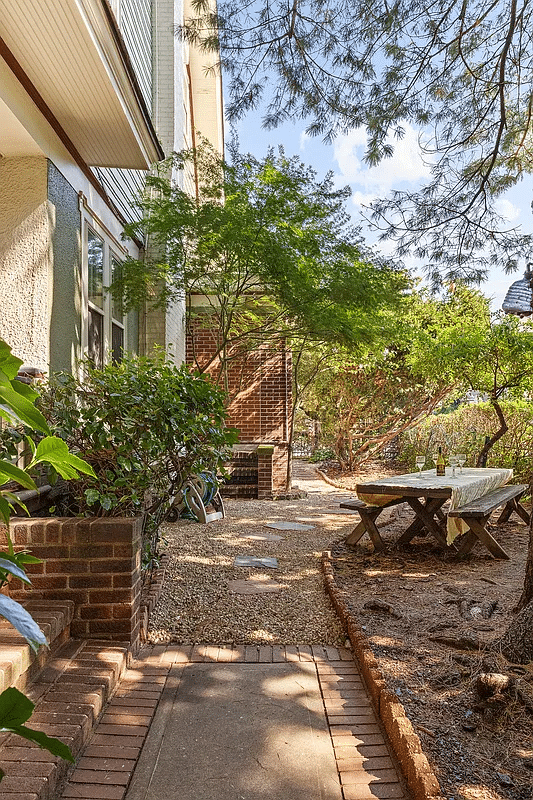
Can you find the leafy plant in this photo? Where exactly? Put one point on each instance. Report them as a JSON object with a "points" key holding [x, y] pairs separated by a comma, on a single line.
{"points": [[144, 426], [278, 260], [465, 429], [17, 407]]}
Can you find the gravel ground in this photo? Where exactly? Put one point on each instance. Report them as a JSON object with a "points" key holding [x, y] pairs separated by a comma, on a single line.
{"points": [[197, 604]]}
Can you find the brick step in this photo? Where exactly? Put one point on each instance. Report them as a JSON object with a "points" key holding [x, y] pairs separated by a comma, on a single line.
{"points": [[19, 664], [70, 694]]}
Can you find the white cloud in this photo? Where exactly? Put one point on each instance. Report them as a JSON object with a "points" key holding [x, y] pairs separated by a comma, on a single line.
{"points": [[406, 165], [304, 138], [506, 209]]}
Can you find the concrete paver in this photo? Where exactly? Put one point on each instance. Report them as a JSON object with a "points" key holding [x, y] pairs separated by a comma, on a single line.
{"points": [[241, 731], [239, 723]]}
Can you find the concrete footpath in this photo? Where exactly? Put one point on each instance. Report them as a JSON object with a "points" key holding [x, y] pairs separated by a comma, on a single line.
{"points": [[238, 723]]}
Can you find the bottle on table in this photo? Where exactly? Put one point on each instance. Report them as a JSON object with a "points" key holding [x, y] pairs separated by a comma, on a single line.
{"points": [[441, 466]]}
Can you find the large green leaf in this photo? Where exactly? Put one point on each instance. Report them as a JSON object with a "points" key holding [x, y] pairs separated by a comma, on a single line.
{"points": [[25, 390], [9, 364], [9, 472], [13, 405], [22, 621], [54, 451], [9, 566], [15, 708], [53, 746], [13, 500], [5, 511]]}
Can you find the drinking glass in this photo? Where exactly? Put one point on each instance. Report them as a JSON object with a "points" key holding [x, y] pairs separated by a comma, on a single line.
{"points": [[420, 461], [453, 463], [461, 458]]}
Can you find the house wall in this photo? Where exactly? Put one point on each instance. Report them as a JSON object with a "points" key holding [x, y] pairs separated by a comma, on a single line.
{"points": [[135, 23], [65, 303], [27, 223], [260, 389]]}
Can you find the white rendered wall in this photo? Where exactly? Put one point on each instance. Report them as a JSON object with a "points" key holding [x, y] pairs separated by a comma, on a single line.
{"points": [[26, 266]]}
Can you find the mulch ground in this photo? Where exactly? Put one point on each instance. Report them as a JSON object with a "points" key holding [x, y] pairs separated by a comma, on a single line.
{"points": [[414, 606]]}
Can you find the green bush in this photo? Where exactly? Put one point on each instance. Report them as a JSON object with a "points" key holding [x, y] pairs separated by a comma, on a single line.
{"points": [[144, 426], [464, 430], [322, 454]]}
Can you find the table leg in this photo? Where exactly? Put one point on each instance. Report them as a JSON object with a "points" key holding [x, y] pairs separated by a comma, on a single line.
{"points": [[426, 514], [355, 535], [367, 525], [432, 506], [466, 543]]}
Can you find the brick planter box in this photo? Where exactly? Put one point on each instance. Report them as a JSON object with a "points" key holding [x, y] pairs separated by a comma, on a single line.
{"points": [[95, 562]]}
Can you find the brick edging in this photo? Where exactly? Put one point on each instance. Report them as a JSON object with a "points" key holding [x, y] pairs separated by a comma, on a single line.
{"points": [[406, 744], [329, 480], [151, 594]]}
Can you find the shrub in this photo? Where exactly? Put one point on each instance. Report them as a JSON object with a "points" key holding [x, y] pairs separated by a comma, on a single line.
{"points": [[144, 426], [464, 430]]}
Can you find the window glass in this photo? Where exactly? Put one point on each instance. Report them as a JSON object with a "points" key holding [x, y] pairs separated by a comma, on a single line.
{"points": [[95, 345], [95, 257], [116, 308], [117, 343]]}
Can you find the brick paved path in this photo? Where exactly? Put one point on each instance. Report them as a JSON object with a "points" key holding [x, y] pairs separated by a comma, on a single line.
{"points": [[360, 766]]}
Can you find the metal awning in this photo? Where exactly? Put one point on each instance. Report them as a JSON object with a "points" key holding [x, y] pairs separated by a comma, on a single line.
{"points": [[71, 54]]}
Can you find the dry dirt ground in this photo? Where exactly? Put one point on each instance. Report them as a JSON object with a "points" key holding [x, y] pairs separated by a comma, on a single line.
{"points": [[480, 750]]}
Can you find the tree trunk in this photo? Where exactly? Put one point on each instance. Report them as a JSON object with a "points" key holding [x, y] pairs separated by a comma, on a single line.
{"points": [[516, 644], [490, 441], [527, 592]]}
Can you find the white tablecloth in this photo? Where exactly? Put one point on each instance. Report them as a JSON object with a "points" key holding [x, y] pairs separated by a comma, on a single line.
{"points": [[472, 483]]}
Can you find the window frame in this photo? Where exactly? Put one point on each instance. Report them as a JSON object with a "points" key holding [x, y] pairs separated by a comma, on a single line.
{"points": [[113, 251]]}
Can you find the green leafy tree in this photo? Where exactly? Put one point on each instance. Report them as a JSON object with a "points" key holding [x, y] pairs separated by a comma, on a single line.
{"points": [[365, 401], [17, 407], [459, 72], [268, 251], [496, 360]]}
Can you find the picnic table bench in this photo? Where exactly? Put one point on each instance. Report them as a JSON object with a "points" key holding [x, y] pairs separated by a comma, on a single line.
{"points": [[477, 513], [368, 515]]}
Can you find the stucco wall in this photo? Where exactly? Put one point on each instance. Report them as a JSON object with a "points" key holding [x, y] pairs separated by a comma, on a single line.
{"points": [[26, 224], [65, 335]]}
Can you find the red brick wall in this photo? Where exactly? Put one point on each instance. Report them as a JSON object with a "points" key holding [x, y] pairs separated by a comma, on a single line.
{"points": [[260, 391], [94, 562]]}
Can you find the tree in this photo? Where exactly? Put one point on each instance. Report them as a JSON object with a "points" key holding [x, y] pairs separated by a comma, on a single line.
{"points": [[366, 401], [460, 72], [267, 248], [496, 360]]}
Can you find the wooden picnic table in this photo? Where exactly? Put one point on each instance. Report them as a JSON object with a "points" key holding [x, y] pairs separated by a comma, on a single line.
{"points": [[426, 494]]}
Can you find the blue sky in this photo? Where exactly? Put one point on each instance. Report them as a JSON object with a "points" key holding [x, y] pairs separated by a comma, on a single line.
{"points": [[405, 170]]}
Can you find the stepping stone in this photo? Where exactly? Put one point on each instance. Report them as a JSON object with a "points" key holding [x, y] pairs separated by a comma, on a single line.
{"points": [[290, 526], [255, 561], [265, 537], [254, 587]]}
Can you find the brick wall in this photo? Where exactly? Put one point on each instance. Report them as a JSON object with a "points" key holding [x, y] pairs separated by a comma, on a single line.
{"points": [[260, 390], [94, 562]]}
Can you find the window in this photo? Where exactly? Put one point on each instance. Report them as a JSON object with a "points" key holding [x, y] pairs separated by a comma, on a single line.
{"points": [[104, 336], [117, 317]]}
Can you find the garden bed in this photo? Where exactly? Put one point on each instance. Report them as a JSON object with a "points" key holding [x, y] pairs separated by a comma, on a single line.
{"points": [[416, 607]]}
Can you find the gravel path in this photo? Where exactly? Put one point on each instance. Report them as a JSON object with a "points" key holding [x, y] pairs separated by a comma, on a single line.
{"points": [[198, 603]]}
